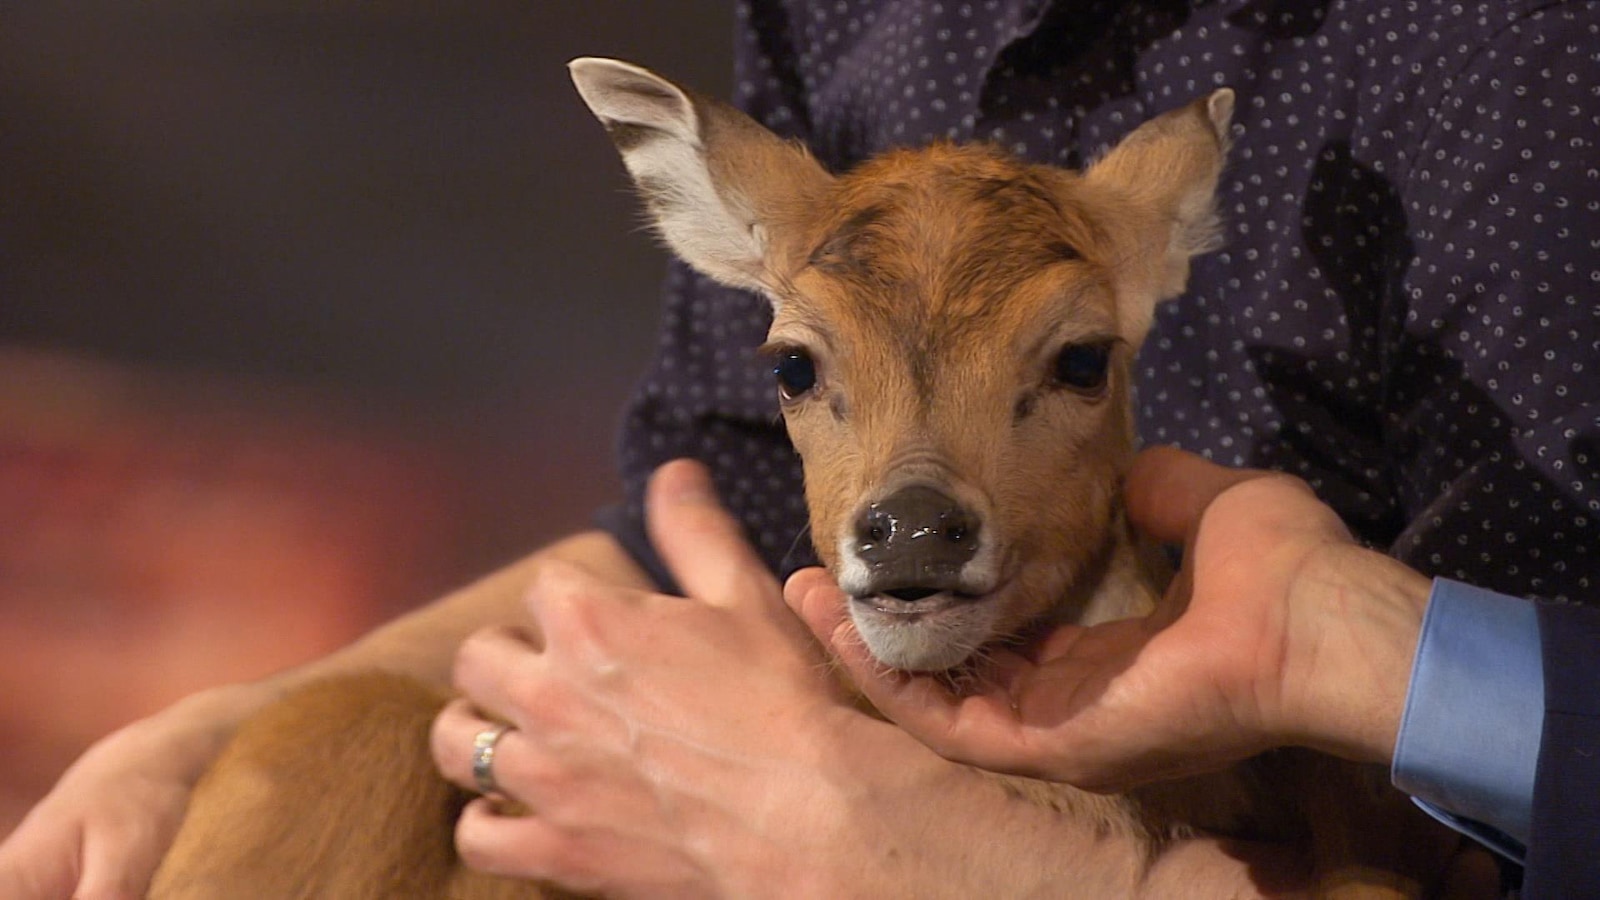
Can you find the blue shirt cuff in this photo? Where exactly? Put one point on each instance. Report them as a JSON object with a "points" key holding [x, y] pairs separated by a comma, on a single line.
{"points": [[1468, 746]]}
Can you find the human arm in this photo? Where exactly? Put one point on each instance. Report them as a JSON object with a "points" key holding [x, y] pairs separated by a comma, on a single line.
{"points": [[1500, 731], [1469, 741], [1290, 634], [703, 747], [1562, 859], [104, 827]]}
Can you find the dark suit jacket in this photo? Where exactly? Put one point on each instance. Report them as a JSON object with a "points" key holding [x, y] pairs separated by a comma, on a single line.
{"points": [[1564, 846]]}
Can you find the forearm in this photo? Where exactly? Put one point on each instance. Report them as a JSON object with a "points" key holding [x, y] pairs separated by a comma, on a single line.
{"points": [[421, 644], [1000, 839], [940, 829]]}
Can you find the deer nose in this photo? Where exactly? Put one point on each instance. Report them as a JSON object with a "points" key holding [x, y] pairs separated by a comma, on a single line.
{"points": [[915, 542]]}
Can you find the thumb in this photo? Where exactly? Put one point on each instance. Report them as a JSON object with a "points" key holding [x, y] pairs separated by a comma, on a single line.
{"points": [[701, 543], [975, 728], [1169, 489], [814, 597], [817, 600]]}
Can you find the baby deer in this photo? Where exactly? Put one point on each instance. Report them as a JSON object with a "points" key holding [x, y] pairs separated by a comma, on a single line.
{"points": [[952, 333]]}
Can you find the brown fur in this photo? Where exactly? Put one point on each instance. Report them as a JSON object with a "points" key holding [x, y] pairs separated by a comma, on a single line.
{"points": [[933, 289], [329, 793]]}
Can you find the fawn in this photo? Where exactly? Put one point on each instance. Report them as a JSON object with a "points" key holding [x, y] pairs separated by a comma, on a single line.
{"points": [[952, 333]]}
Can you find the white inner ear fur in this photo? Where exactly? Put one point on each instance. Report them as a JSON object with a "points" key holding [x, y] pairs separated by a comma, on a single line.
{"points": [[1170, 166], [622, 92], [713, 229]]}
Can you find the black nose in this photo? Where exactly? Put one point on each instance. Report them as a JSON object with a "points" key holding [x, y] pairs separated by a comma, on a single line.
{"points": [[915, 542]]}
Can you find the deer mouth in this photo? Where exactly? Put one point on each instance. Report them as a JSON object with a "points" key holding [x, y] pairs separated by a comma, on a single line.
{"points": [[911, 604], [925, 629], [911, 584]]}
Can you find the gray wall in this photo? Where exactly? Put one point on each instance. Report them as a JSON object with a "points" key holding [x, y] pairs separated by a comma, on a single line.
{"points": [[310, 310], [401, 201]]}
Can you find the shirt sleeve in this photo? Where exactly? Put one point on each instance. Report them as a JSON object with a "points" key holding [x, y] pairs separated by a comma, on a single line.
{"points": [[1564, 846], [1469, 739], [1493, 406]]}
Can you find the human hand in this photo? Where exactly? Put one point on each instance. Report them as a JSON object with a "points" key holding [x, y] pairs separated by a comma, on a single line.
{"points": [[699, 747], [105, 826], [1289, 634]]}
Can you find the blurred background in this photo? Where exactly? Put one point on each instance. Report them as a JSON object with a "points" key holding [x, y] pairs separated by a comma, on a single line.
{"points": [[308, 313]]}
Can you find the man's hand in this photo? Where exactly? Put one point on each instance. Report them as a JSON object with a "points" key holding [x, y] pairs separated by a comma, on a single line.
{"points": [[1289, 634], [700, 747]]}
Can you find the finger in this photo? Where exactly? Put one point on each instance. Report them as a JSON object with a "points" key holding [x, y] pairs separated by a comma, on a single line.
{"points": [[515, 846], [1169, 489], [814, 596], [701, 543], [490, 668], [453, 740], [520, 768], [589, 856]]}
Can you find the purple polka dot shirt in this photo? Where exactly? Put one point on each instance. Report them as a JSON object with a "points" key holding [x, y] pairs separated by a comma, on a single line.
{"points": [[1406, 312]]}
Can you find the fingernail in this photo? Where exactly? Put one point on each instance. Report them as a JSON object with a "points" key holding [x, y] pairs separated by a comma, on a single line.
{"points": [[692, 487], [681, 481]]}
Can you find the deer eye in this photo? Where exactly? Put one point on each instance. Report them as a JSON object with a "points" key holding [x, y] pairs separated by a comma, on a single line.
{"points": [[796, 373], [1082, 367]]}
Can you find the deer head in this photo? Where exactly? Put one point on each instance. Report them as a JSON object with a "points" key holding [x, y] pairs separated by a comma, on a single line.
{"points": [[951, 338]]}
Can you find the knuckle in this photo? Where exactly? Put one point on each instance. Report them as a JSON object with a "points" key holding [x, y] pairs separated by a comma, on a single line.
{"points": [[547, 707], [530, 698], [1272, 484], [565, 602], [549, 577], [549, 710], [557, 585], [461, 666], [585, 628], [1258, 493], [468, 655], [475, 660]]}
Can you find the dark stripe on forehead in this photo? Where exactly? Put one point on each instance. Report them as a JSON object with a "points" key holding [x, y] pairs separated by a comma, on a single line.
{"points": [[1004, 193], [838, 253]]}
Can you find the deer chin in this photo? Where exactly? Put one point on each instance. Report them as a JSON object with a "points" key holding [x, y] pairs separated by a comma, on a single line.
{"points": [[933, 634]]}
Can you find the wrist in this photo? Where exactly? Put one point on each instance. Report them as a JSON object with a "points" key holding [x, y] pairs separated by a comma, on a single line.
{"points": [[1356, 618], [920, 825], [190, 733]]}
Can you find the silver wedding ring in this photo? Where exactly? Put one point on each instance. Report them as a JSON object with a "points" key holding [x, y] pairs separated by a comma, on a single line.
{"points": [[483, 757]]}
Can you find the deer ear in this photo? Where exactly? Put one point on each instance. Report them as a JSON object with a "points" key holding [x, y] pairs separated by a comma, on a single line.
{"points": [[720, 189], [1167, 169]]}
